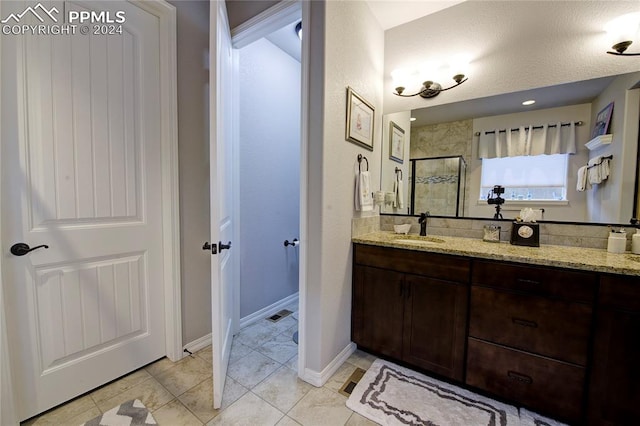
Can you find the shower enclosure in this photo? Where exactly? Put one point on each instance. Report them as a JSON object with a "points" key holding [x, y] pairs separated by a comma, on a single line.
{"points": [[438, 185]]}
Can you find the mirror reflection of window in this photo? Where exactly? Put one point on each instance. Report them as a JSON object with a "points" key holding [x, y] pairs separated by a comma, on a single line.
{"points": [[526, 178]]}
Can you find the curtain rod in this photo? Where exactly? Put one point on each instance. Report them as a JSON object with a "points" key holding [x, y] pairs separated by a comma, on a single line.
{"points": [[491, 132]]}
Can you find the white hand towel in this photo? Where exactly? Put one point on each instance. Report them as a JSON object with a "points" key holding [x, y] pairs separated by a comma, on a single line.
{"points": [[605, 168], [582, 179], [399, 194], [594, 170], [364, 199]]}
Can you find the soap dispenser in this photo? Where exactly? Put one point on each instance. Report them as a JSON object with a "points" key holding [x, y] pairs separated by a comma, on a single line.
{"points": [[635, 242], [617, 242]]}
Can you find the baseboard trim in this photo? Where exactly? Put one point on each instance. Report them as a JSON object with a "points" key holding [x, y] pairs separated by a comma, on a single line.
{"points": [[198, 344], [318, 379], [268, 311]]}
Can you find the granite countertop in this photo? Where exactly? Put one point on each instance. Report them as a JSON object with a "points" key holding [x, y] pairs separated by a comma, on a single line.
{"points": [[587, 259]]}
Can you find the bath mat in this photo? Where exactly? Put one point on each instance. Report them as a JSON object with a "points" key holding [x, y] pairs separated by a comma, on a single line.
{"points": [[131, 413], [392, 395], [529, 418]]}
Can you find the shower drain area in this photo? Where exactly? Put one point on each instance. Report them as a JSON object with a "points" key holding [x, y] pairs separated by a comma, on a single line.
{"points": [[279, 315], [351, 382]]}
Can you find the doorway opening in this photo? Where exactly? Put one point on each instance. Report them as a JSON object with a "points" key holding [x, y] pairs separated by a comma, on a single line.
{"points": [[268, 137]]}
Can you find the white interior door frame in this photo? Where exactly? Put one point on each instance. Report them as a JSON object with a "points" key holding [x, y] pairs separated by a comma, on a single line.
{"points": [[255, 28], [166, 14]]}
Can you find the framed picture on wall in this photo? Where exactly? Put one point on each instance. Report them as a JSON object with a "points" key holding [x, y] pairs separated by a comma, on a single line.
{"points": [[603, 120], [360, 115], [396, 142]]}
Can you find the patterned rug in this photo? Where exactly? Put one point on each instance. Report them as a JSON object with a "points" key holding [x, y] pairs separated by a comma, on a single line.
{"points": [[392, 395], [131, 413]]}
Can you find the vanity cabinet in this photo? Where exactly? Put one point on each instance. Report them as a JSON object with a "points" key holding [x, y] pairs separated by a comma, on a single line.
{"points": [[614, 391], [411, 306], [529, 331]]}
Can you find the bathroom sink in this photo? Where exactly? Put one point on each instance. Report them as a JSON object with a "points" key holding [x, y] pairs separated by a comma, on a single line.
{"points": [[417, 240]]}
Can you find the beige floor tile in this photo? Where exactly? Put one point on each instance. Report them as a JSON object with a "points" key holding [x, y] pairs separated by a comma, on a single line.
{"points": [[85, 417], [252, 369], [283, 389], [185, 374], [66, 412], [287, 421], [175, 414], [119, 386], [293, 363], [159, 366], [340, 376], [206, 354], [150, 392], [281, 348], [238, 350], [257, 334], [248, 411], [358, 420], [321, 407], [199, 400], [361, 359], [284, 324]]}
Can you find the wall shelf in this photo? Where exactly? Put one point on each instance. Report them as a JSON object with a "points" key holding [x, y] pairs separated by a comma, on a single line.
{"points": [[598, 141]]}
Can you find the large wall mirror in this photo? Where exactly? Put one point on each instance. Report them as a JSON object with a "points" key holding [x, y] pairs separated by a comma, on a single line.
{"points": [[442, 172]]}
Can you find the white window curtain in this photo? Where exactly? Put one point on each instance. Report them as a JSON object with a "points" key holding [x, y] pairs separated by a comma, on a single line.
{"points": [[528, 141]]}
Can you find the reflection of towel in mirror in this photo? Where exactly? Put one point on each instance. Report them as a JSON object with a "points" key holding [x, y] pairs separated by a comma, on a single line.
{"points": [[599, 170], [363, 197], [398, 201], [583, 182]]}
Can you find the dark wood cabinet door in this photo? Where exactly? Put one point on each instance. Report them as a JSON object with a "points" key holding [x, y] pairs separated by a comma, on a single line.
{"points": [[614, 393], [435, 325], [377, 311]]}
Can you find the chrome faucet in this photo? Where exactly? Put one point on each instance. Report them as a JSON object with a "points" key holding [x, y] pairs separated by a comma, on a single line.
{"points": [[423, 223]]}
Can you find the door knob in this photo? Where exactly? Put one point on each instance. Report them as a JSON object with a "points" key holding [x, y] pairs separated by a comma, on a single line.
{"points": [[212, 248], [20, 249], [224, 246], [293, 243]]}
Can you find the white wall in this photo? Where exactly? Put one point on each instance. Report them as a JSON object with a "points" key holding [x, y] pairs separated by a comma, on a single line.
{"points": [[269, 144], [576, 210], [347, 47], [193, 152], [612, 200]]}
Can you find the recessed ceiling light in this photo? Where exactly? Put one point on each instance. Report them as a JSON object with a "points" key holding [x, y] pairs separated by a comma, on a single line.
{"points": [[529, 102], [412, 119]]}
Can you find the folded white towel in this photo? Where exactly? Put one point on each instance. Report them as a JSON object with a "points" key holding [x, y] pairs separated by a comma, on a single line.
{"points": [[582, 179], [595, 176], [399, 194], [605, 168], [363, 196]]}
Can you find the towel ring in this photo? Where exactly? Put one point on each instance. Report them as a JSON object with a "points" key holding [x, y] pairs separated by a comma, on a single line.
{"points": [[360, 158], [399, 170]]}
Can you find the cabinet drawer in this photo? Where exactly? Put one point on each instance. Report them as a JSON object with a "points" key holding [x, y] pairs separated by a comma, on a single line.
{"points": [[551, 387], [434, 265], [620, 292], [543, 281], [554, 328]]}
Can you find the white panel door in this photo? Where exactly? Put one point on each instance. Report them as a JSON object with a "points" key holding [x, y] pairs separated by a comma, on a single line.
{"points": [[223, 276], [83, 176]]}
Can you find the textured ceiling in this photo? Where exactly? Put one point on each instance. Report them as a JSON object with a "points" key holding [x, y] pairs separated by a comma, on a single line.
{"points": [[393, 13]]}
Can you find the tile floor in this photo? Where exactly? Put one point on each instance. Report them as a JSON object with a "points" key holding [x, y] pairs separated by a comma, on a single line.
{"points": [[262, 387]]}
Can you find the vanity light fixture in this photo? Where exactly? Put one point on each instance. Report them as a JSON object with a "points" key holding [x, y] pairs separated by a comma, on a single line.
{"points": [[430, 88], [621, 31]]}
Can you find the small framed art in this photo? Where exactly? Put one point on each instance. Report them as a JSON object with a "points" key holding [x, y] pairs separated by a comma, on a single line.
{"points": [[396, 142], [360, 120], [603, 120]]}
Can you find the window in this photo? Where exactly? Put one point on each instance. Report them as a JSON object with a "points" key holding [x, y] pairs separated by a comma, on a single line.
{"points": [[536, 177]]}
